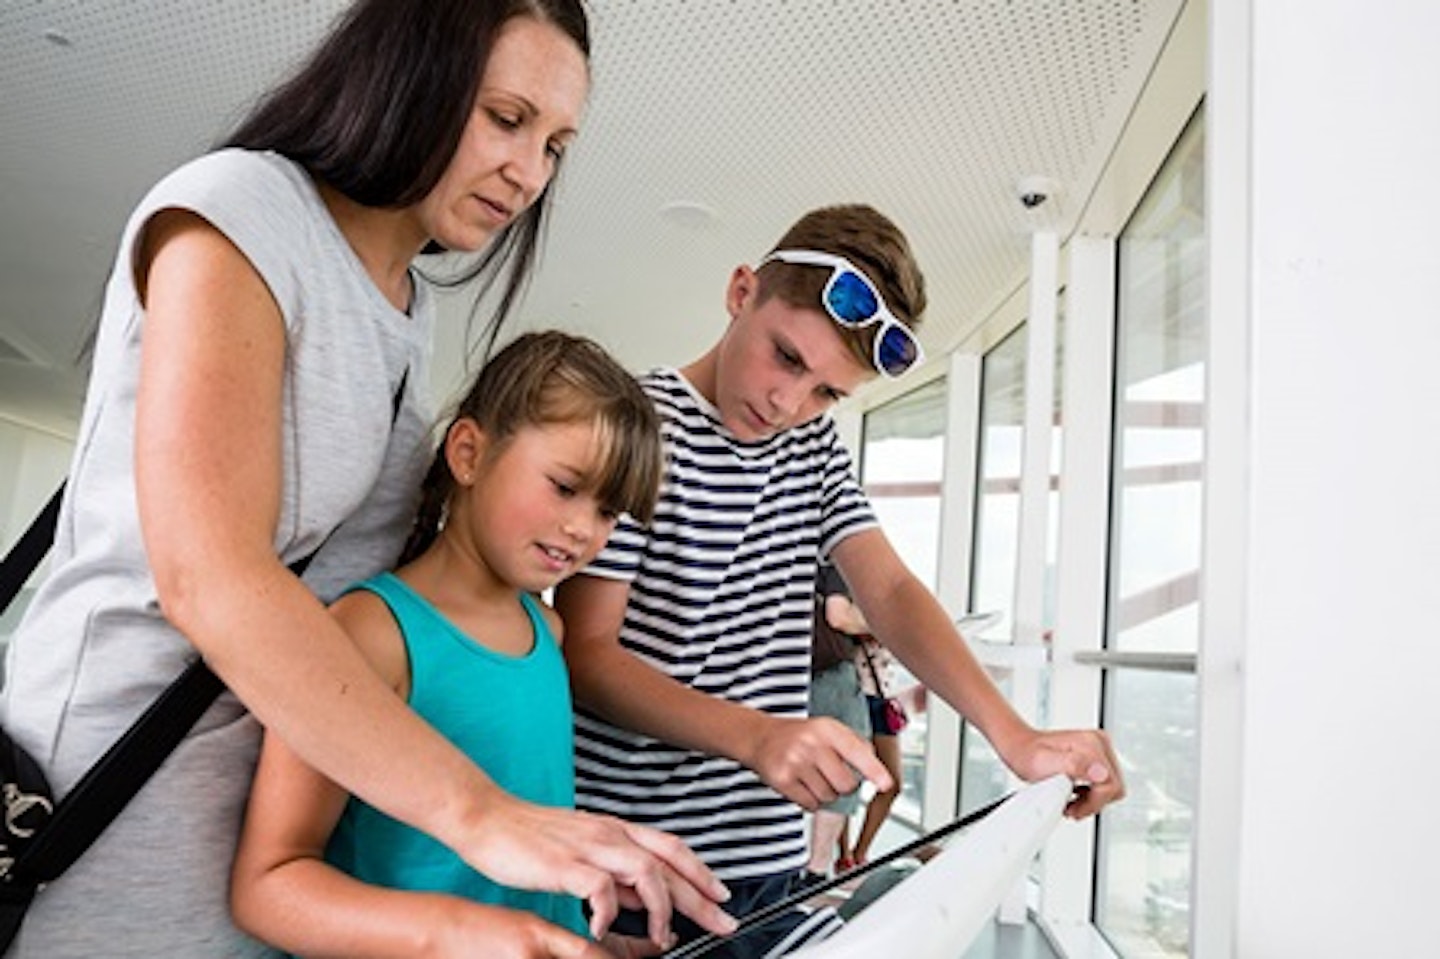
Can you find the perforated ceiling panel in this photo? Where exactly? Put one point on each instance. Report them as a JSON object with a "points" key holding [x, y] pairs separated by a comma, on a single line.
{"points": [[733, 118], [712, 125]]}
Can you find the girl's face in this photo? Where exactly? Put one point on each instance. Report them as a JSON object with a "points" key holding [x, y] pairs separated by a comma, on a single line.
{"points": [[531, 514], [527, 111]]}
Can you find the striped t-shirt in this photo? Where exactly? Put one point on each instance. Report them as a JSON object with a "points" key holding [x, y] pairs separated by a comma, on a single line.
{"points": [[721, 587]]}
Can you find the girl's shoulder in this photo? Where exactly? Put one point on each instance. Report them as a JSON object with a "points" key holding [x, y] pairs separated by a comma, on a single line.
{"points": [[546, 614], [367, 619]]}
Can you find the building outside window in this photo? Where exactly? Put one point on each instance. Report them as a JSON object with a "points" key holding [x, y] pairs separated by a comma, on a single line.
{"points": [[902, 462], [1144, 849]]}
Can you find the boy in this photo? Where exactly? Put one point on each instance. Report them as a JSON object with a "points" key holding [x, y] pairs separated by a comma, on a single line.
{"points": [[689, 640]]}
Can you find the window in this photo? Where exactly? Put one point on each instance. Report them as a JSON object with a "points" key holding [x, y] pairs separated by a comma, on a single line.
{"points": [[1143, 869], [983, 776], [901, 466]]}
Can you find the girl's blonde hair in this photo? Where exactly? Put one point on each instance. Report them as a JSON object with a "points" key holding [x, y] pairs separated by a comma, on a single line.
{"points": [[554, 378]]}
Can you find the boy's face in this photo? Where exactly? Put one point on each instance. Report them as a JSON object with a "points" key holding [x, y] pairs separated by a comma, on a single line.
{"points": [[778, 366]]}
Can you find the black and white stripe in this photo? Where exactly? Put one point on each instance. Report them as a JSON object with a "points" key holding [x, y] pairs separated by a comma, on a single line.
{"points": [[721, 587]]}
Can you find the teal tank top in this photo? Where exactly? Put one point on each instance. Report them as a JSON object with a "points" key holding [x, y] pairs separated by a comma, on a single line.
{"points": [[510, 714]]}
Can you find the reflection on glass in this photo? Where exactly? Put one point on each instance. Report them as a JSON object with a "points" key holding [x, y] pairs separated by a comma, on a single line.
{"points": [[901, 467], [997, 533], [1144, 859], [1143, 876], [997, 509]]}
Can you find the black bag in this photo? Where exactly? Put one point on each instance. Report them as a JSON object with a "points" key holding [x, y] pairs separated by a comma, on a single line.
{"points": [[896, 719], [41, 838], [28, 806]]}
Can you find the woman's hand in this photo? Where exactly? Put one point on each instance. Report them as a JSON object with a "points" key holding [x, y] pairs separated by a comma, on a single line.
{"points": [[602, 860]]}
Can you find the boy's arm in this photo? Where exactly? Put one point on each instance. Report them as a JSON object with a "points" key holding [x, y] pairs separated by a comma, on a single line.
{"points": [[910, 621], [810, 761]]}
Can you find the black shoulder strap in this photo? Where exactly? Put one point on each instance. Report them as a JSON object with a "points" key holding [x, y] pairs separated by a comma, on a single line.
{"points": [[29, 549], [108, 785]]}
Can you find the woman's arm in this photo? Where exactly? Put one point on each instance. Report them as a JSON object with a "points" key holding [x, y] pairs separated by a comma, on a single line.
{"points": [[208, 463], [284, 892]]}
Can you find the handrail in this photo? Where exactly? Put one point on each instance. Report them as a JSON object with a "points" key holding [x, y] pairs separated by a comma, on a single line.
{"points": [[1112, 659], [1036, 656]]}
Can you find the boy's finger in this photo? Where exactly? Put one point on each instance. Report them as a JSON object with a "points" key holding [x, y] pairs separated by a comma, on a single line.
{"points": [[861, 757]]}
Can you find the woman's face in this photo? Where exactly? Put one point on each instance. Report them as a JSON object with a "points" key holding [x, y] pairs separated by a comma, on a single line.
{"points": [[526, 113]]}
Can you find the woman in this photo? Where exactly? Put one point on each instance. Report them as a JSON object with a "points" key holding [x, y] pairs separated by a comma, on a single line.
{"points": [[257, 393]]}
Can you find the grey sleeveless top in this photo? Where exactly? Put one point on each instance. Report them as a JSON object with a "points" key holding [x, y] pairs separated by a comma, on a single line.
{"points": [[94, 648]]}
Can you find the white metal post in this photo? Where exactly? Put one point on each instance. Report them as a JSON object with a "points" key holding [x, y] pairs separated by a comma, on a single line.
{"points": [[1031, 559]]}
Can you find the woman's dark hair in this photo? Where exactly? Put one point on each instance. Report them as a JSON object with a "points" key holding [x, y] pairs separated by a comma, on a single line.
{"points": [[378, 110], [546, 379]]}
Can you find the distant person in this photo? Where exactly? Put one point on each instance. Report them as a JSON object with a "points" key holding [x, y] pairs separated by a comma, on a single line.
{"points": [[873, 668], [835, 691], [258, 392], [552, 443], [688, 641]]}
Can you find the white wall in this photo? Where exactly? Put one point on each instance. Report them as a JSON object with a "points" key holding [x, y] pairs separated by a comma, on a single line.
{"points": [[1324, 530], [32, 464]]}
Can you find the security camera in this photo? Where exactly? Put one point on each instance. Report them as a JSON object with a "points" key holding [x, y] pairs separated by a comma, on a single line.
{"points": [[1033, 191]]}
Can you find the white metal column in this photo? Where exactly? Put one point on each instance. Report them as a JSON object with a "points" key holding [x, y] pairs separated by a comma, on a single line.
{"points": [[1087, 416], [957, 532], [1031, 561]]}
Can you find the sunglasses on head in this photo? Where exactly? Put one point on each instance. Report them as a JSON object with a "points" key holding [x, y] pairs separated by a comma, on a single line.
{"points": [[852, 302]]}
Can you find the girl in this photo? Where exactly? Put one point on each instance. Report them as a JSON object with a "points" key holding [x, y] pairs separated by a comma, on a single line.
{"points": [[258, 390], [552, 443]]}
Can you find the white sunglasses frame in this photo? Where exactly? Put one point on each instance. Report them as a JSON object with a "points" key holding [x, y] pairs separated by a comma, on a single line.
{"points": [[882, 315]]}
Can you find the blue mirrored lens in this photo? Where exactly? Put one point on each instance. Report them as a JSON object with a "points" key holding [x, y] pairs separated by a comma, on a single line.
{"points": [[851, 299], [897, 350]]}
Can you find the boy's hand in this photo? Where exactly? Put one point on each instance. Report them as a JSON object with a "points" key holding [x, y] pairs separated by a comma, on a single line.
{"points": [[1085, 755], [812, 761]]}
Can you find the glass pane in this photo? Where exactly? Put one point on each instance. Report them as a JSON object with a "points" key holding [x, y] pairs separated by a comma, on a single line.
{"points": [[1160, 397], [997, 531], [1057, 452], [901, 467], [1143, 874], [997, 509], [1144, 857]]}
